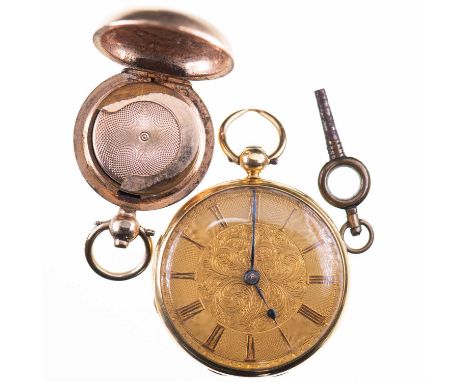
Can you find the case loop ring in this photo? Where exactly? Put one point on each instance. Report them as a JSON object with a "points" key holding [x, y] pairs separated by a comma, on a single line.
{"points": [[233, 157], [124, 228], [369, 241]]}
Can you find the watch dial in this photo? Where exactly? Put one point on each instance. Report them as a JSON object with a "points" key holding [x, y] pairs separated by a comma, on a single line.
{"points": [[252, 280]]}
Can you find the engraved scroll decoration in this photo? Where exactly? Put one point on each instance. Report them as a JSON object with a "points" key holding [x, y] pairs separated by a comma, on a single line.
{"points": [[222, 268]]}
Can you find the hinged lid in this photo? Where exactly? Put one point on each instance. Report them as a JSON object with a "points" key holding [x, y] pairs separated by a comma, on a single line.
{"points": [[166, 42]]}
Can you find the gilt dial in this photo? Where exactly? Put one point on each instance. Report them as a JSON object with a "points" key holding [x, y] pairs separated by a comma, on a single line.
{"points": [[251, 278]]}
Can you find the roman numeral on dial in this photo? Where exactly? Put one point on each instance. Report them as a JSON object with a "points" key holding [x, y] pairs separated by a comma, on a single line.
{"points": [[190, 310], [283, 336], [287, 220], [250, 357], [311, 315], [214, 337], [321, 279], [219, 216], [313, 246], [183, 275], [189, 239]]}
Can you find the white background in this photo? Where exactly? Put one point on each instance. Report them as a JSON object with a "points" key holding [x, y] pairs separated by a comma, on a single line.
{"points": [[396, 77]]}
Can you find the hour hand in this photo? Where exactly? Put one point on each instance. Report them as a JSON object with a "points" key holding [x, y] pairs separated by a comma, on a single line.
{"points": [[270, 312]]}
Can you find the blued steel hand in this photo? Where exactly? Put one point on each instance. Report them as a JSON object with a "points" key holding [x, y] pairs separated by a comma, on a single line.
{"points": [[270, 312], [254, 219], [252, 277]]}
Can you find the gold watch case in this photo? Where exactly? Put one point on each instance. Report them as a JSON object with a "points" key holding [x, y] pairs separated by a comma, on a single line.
{"points": [[250, 276], [199, 269]]}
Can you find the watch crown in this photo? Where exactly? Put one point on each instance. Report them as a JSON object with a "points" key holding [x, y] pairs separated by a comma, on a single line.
{"points": [[253, 160]]}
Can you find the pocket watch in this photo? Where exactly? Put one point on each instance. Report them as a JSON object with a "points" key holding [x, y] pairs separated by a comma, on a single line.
{"points": [[251, 275], [143, 138]]}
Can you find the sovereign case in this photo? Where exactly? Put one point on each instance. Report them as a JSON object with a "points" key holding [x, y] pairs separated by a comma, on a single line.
{"points": [[143, 138]]}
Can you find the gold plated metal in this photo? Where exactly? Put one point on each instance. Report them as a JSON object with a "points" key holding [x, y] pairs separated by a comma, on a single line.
{"points": [[253, 160], [250, 276], [166, 42], [339, 159], [124, 228], [233, 157], [144, 138]]}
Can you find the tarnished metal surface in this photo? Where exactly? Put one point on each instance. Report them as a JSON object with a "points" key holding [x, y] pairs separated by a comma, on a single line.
{"points": [[166, 42], [143, 142], [339, 159], [334, 147], [144, 139]]}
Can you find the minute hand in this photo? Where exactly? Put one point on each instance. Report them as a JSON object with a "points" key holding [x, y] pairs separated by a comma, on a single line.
{"points": [[254, 218]]}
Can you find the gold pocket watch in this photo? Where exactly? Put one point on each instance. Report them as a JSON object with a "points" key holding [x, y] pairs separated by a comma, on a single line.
{"points": [[144, 138], [251, 275]]}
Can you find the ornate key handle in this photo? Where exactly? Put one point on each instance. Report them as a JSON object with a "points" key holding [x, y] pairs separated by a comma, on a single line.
{"points": [[339, 159], [124, 228]]}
